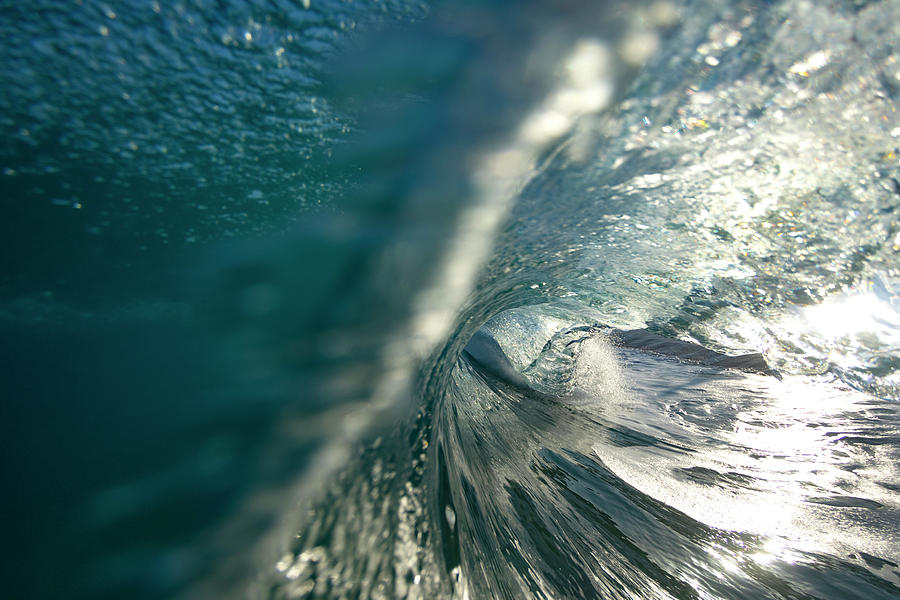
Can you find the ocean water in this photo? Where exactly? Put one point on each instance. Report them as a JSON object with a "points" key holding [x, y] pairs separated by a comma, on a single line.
{"points": [[401, 299]]}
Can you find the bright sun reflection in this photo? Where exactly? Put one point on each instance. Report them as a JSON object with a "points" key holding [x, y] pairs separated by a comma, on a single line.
{"points": [[775, 549], [777, 472], [854, 314]]}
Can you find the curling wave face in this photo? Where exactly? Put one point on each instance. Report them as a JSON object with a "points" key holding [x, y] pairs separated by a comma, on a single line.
{"points": [[395, 300], [567, 445]]}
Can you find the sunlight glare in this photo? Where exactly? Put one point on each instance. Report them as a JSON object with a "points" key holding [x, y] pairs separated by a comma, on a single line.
{"points": [[854, 314]]}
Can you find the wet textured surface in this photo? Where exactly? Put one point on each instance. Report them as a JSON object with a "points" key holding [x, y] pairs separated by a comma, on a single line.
{"points": [[403, 300]]}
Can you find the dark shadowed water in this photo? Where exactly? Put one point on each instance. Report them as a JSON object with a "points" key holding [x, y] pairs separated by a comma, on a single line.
{"points": [[380, 299]]}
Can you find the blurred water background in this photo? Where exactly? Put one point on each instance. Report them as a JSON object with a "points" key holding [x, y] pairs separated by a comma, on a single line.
{"points": [[245, 244]]}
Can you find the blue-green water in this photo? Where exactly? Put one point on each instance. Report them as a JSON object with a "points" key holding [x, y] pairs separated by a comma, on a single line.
{"points": [[244, 246]]}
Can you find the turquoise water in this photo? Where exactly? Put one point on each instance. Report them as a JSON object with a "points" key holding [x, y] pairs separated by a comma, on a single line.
{"points": [[244, 246]]}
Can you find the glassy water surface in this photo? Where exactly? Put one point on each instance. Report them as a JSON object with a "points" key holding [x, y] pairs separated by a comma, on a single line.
{"points": [[436, 300]]}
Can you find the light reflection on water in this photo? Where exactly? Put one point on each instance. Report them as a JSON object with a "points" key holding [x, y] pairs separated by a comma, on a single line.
{"points": [[737, 485], [762, 457], [853, 315]]}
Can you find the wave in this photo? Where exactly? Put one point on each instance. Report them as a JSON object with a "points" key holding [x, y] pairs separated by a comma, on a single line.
{"points": [[554, 457], [394, 300]]}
